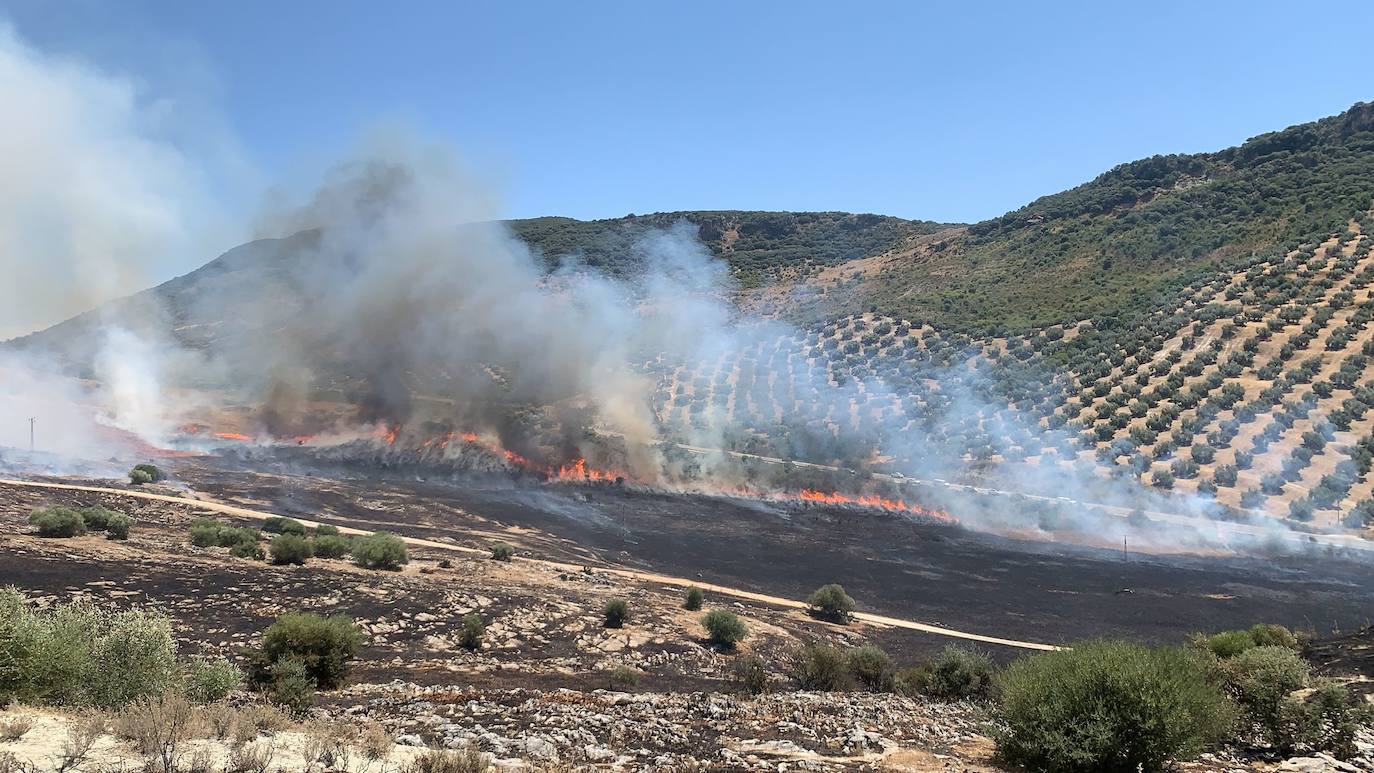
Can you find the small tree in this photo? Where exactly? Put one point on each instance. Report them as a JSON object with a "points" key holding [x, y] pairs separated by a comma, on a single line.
{"points": [[615, 613], [820, 667], [692, 601], [324, 645], [502, 552], [380, 550], [748, 674], [331, 545], [957, 673], [289, 549], [118, 526], [723, 628], [1109, 706], [830, 602], [145, 473], [871, 667], [279, 525], [58, 522], [473, 631]]}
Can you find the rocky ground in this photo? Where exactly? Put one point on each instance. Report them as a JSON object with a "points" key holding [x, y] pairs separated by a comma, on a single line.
{"points": [[550, 688]]}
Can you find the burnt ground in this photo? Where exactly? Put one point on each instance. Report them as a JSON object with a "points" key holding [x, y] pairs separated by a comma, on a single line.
{"points": [[931, 572]]}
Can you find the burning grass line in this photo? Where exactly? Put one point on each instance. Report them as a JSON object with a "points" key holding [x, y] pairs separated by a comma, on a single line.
{"points": [[629, 574]]}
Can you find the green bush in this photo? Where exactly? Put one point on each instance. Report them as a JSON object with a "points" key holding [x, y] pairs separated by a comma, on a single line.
{"points": [[327, 530], [279, 525], [502, 552], [1263, 680], [473, 631], [289, 685], [1229, 644], [748, 674], [118, 526], [145, 473], [957, 673], [77, 654], [871, 668], [820, 667], [209, 533], [210, 679], [58, 522], [692, 600], [723, 628], [96, 517], [380, 550], [249, 550], [615, 613], [830, 602], [324, 645], [330, 545], [289, 549], [624, 677], [1109, 706]]}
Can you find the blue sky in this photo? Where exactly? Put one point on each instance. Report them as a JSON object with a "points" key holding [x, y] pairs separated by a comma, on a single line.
{"points": [[945, 111]]}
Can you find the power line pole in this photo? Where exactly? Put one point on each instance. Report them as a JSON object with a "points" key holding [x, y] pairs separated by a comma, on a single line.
{"points": [[31, 421]]}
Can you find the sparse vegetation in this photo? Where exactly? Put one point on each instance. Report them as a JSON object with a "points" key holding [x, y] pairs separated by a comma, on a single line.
{"points": [[830, 602], [615, 613], [502, 552], [1109, 706], [957, 673], [324, 647], [473, 631], [723, 628], [380, 550], [692, 599]]}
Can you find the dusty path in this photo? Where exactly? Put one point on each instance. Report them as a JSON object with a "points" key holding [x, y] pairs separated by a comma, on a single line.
{"points": [[682, 582]]}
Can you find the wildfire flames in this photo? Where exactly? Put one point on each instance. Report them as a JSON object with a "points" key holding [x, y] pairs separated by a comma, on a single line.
{"points": [[579, 471]]}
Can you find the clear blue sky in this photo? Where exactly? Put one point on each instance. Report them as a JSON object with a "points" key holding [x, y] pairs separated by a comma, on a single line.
{"points": [[948, 111]]}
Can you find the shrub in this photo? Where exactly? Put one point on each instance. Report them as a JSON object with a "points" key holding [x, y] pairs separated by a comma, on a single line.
{"points": [[289, 549], [723, 628], [290, 686], [623, 677], [279, 525], [326, 530], [77, 654], [145, 473], [957, 673], [58, 522], [249, 550], [615, 613], [118, 526], [1263, 680], [330, 545], [324, 645], [158, 726], [96, 517], [1109, 706], [820, 667], [748, 674], [830, 602], [692, 600], [871, 667], [210, 679], [502, 552], [465, 760], [1229, 644], [380, 550], [205, 532], [473, 631]]}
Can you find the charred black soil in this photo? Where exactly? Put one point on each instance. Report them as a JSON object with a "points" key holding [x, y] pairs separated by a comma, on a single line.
{"points": [[893, 565]]}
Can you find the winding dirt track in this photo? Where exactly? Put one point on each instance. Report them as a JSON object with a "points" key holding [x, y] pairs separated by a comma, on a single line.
{"points": [[777, 601]]}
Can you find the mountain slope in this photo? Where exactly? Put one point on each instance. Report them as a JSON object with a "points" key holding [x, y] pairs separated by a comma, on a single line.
{"points": [[1139, 229]]}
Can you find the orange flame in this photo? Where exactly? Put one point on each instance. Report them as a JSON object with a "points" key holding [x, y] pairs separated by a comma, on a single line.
{"points": [[232, 436], [579, 470], [865, 500]]}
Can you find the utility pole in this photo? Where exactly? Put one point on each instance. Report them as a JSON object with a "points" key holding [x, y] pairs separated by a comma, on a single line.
{"points": [[31, 421]]}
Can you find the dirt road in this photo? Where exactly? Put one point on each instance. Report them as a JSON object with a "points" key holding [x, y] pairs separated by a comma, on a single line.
{"points": [[682, 582]]}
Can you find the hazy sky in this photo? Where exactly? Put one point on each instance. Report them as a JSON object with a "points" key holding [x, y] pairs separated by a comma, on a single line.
{"points": [[949, 111]]}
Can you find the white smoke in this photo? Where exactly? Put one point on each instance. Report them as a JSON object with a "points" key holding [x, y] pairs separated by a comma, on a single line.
{"points": [[94, 201]]}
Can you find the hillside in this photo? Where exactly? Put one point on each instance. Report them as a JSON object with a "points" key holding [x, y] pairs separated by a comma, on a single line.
{"points": [[1197, 322]]}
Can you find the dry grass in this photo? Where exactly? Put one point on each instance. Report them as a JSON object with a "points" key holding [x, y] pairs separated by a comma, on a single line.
{"points": [[15, 728], [374, 742], [158, 727], [254, 757], [465, 760], [82, 733]]}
